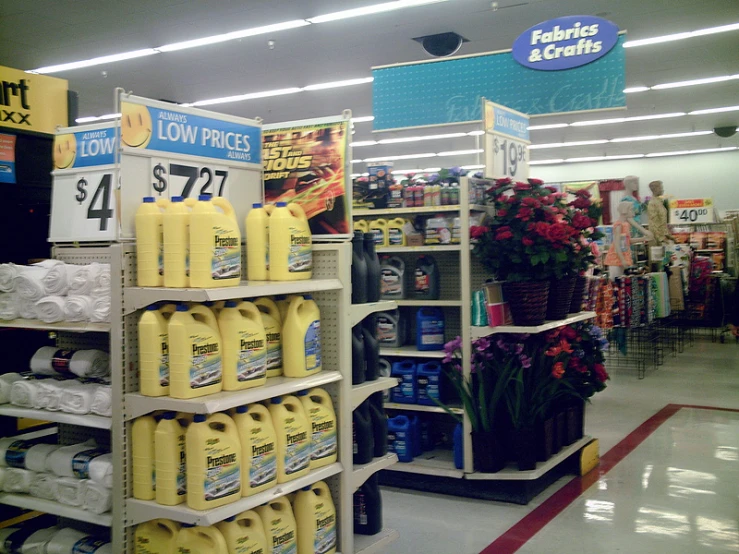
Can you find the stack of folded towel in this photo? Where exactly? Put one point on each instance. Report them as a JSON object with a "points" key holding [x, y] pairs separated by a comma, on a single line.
{"points": [[29, 539], [53, 291], [78, 475]]}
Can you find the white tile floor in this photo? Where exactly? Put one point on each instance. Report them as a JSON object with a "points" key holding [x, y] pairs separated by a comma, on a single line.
{"points": [[678, 492]]}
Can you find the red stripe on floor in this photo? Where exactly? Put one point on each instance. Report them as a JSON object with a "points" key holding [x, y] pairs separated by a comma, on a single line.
{"points": [[513, 539]]}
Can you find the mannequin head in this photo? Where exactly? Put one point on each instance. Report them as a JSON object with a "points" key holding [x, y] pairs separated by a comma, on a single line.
{"points": [[657, 188], [631, 185], [625, 211]]}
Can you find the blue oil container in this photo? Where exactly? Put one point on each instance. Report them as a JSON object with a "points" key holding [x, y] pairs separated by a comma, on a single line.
{"points": [[405, 392], [428, 383], [430, 329], [399, 438]]}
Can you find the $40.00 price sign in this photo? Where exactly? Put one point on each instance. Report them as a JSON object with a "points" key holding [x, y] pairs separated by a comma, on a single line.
{"points": [[179, 178]]}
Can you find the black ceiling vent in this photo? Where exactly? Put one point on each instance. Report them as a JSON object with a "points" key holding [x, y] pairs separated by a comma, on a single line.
{"points": [[442, 44]]}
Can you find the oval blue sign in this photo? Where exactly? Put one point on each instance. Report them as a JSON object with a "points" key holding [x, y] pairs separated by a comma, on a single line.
{"points": [[565, 42]]}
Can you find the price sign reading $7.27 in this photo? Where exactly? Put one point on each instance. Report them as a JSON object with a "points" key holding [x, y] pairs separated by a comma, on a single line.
{"points": [[175, 178]]}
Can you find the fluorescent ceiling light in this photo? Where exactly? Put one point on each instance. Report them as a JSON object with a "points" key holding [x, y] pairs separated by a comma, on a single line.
{"points": [[480, 166], [431, 169], [249, 96], [566, 144], [90, 119], [363, 119], [715, 110], [404, 157], [96, 61], [631, 90], [550, 126], [682, 36], [338, 84], [356, 161], [658, 137], [626, 119], [687, 152], [418, 139], [460, 152], [234, 35], [545, 162], [476, 133], [693, 82], [604, 158], [363, 143], [370, 10], [406, 171], [355, 175]]}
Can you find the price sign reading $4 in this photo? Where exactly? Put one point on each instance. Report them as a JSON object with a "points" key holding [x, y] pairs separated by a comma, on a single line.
{"points": [[186, 180], [100, 204]]}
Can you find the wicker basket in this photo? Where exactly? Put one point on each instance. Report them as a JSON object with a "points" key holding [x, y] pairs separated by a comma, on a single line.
{"points": [[527, 301], [578, 295], [560, 298]]}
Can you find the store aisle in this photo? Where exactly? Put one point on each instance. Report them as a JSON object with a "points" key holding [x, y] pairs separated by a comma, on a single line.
{"points": [[704, 457]]}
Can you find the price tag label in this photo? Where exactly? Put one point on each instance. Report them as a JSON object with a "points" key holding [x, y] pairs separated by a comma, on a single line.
{"points": [[178, 178], [691, 210], [510, 158], [506, 142], [84, 206]]}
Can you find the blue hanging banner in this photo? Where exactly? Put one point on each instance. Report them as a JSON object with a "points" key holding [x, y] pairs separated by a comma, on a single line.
{"points": [[450, 91]]}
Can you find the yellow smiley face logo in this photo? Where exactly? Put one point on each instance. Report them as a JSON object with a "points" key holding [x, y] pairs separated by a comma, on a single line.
{"points": [[135, 125], [65, 151]]}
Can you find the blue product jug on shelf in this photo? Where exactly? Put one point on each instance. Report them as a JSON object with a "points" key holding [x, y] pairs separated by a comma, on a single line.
{"points": [[428, 441], [428, 383], [405, 391], [458, 447], [430, 329], [415, 434], [398, 438]]}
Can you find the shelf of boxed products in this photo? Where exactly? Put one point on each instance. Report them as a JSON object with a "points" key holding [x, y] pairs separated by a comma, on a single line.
{"points": [[410, 351], [362, 392], [511, 472], [138, 404], [137, 298], [421, 408], [375, 544], [436, 303], [427, 248], [478, 332], [86, 420], [363, 472], [387, 212], [28, 502], [439, 462], [361, 311], [76, 327], [139, 511]]}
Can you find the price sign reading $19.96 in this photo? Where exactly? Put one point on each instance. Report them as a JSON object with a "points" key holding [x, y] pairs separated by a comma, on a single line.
{"points": [[176, 178], [510, 157]]}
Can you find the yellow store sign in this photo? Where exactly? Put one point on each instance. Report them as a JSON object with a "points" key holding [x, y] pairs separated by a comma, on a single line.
{"points": [[31, 102]]}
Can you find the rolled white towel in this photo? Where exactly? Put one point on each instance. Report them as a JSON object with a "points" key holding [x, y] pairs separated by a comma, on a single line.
{"points": [[100, 470], [43, 486], [83, 281], [8, 273], [37, 456], [49, 394], [30, 282], [93, 364], [8, 306], [97, 498], [100, 309], [6, 383], [69, 491], [26, 308], [23, 393], [101, 282], [49, 360], [18, 480], [26, 541], [77, 398], [51, 309], [56, 281], [102, 402], [78, 308], [71, 541], [42, 361], [73, 460]]}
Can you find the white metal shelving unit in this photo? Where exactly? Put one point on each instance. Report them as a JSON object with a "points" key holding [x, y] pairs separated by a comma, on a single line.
{"points": [[89, 420], [362, 392], [478, 332]]}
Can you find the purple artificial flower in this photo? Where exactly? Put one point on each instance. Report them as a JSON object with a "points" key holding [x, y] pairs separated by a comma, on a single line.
{"points": [[519, 348], [502, 345], [481, 344], [579, 353], [478, 175], [453, 345], [525, 361]]}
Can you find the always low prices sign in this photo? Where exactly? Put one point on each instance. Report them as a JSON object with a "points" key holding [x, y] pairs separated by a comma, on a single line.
{"points": [[691, 210], [506, 142]]}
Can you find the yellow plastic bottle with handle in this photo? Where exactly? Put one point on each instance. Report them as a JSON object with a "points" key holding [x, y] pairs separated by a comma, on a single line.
{"points": [[149, 243], [378, 228], [322, 419], [176, 243], [361, 225], [158, 536], [195, 353], [169, 454], [293, 437], [200, 540], [244, 533], [213, 461], [301, 338], [395, 233], [215, 244], [257, 243], [315, 517], [258, 448], [272, 321], [280, 528], [153, 353], [290, 244], [283, 304], [142, 452], [244, 346]]}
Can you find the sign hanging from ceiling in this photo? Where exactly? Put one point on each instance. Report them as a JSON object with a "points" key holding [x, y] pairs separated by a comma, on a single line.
{"points": [[565, 42], [29, 102], [448, 91]]}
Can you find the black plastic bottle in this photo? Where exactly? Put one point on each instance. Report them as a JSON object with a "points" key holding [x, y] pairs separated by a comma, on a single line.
{"points": [[371, 354], [379, 423], [363, 438], [368, 507], [359, 360], [359, 269], [373, 268], [426, 279]]}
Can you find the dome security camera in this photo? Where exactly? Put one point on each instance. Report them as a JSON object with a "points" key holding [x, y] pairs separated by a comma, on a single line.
{"points": [[441, 44], [725, 132]]}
